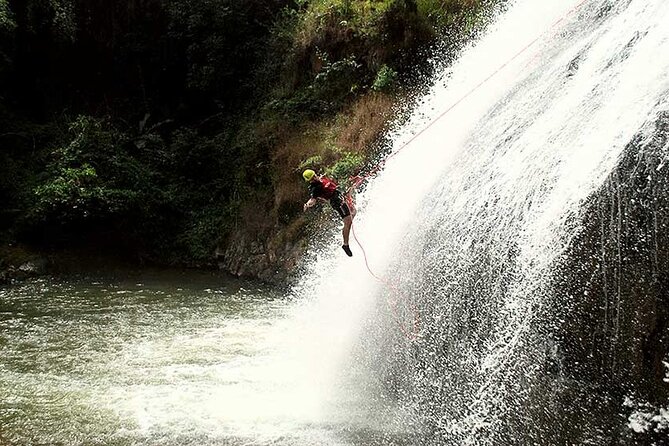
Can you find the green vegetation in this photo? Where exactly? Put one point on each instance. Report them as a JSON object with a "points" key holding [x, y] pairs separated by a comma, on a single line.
{"points": [[161, 129], [6, 21]]}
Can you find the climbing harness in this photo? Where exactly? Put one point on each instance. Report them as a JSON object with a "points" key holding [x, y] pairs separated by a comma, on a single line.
{"points": [[414, 332]]}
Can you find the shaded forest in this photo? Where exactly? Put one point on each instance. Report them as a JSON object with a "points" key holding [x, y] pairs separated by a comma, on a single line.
{"points": [[173, 132]]}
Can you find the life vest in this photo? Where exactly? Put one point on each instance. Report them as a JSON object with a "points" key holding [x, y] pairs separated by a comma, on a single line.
{"points": [[329, 187]]}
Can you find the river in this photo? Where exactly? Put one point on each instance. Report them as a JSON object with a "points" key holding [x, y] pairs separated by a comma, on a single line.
{"points": [[160, 358]]}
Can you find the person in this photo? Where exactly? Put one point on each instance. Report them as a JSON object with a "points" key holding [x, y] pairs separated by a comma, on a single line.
{"points": [[322, 188]]}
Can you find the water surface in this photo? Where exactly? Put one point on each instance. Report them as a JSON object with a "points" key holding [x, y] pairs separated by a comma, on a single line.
{"points": [[156, 359]]}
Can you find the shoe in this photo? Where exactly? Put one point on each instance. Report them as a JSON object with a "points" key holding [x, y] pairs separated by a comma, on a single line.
{"points": [[347, 250]]}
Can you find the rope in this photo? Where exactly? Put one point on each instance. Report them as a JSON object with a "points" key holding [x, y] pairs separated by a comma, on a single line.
{"points": [[412, 334], [357, 180]]}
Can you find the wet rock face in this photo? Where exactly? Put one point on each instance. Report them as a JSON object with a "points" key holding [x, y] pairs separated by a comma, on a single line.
{"points": [[267, 256], [589, 352], [610, 297]]}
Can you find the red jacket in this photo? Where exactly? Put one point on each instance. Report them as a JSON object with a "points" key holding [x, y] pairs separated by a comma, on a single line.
{"points": [[325, 188]]}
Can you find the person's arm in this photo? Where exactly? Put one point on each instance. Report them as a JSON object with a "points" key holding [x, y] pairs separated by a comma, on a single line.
{"points": [[312, 201]]}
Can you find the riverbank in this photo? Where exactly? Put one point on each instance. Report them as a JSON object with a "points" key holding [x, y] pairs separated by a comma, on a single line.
{"points": [[19, 265]]}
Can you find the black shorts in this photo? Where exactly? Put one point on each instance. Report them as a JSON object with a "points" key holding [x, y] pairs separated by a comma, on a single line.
{"points": [[339, 204]]}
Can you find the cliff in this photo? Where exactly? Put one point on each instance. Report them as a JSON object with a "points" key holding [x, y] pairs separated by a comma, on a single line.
{"points": [[610, 311]]}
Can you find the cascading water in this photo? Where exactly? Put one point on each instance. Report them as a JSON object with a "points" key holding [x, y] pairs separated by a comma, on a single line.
{"points": [[472, 225], [522, 242]]}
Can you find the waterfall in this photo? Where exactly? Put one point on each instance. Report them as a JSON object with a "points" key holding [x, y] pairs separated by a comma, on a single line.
{"points": [[472, 222]]}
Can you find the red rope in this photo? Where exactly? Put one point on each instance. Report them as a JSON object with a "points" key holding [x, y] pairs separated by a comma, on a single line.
{"points": [[357, 180], [392, 303]]}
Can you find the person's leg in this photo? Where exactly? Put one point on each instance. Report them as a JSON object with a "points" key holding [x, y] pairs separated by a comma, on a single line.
{"points": [[340, 204], [351, 205], [348, 220]]}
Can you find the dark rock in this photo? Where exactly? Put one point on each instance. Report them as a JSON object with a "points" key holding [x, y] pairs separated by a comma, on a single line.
{"points": [[18, 264], [33, 268], [610, 295], [270, 258]]}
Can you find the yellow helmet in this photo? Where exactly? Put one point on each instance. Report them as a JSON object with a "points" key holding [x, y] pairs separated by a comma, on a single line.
{"points": [[308, 174]]}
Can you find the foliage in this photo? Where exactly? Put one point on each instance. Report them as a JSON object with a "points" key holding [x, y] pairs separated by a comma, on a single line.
{"points": [[312, 162], [336, 79], [338, 50], [348, 165], [57, 17], [172, 194], [78, 193], [362, 16], [189, 111], [444, 14], [327, 93], [201, 236], [7, 22], [7, 27], [64, 18], [385, 79], [91, 176], [214, 33]]}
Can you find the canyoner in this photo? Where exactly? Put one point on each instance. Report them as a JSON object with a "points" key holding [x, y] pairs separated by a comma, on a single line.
{"points": [[324, 189]]}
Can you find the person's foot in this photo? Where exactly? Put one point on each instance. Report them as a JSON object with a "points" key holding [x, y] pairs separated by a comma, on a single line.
{"points": [[347, 250]]}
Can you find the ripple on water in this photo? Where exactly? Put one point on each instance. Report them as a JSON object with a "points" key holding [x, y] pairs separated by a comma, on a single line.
{"points": [[100, 362]]}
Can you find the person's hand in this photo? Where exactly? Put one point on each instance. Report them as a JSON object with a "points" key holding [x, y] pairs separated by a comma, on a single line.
{"points": [[306, 206]]}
